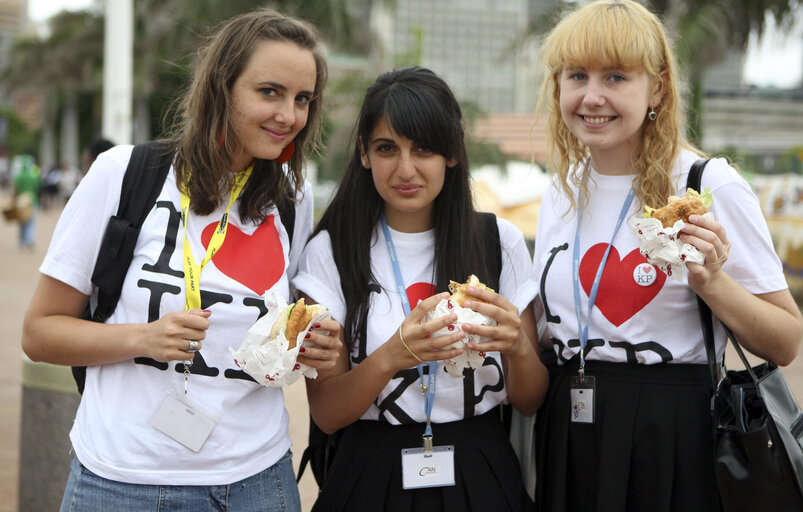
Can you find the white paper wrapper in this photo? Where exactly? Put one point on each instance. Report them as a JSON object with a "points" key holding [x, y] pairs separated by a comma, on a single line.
{"points": [[268, 360], [469, 358], [662, 247]]}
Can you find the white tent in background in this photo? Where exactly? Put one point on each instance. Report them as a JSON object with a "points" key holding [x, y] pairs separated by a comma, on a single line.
{"points": [[513, 194]]}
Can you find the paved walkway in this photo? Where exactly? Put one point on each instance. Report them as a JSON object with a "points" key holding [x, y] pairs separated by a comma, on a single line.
{"points": [[18, 276]]}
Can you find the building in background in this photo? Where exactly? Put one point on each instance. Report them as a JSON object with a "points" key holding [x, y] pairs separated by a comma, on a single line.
{"points": [[764, 123], [470, 43]]}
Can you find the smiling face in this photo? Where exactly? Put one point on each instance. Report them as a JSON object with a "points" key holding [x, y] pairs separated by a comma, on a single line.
{"points": [[605, 109], [407, 175], [270, 99]]}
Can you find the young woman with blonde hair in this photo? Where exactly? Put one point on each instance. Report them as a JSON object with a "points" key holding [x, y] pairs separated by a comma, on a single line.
{"points": [[627, 426]]}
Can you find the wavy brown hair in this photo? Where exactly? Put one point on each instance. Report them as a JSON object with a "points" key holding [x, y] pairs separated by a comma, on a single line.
{"points": [[202, 164], [620, 34]]}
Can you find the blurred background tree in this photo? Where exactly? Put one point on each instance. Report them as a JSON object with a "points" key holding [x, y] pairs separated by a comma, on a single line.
{"points": [[65, 66]]}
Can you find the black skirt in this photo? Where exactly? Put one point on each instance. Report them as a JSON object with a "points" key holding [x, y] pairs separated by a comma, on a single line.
{"points": [[650, 447], [366, 473]]}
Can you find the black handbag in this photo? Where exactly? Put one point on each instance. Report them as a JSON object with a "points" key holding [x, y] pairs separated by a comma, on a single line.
{"points": [[758, 438], [758, 429]]}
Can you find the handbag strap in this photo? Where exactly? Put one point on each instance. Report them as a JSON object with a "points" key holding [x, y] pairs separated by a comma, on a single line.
{"points": [[706, 316]]}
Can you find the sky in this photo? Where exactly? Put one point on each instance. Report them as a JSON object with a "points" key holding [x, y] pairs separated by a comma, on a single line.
{"points": [[776, 60]]}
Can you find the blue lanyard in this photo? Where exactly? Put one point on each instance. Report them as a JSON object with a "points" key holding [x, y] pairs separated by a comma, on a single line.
{"points": [[582, 327], [429, 388]]}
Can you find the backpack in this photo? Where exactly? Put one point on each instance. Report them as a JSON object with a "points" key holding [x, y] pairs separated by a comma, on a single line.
{"points": [[143, 180], [321, 447]]}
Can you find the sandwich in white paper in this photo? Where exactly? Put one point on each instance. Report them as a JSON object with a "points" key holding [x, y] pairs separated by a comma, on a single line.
{"points": [[454, 304], [658, 232], [270, 348]]}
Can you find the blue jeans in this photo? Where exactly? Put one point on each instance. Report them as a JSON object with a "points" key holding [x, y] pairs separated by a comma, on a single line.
{"points": [[272, 490], [28, 231]]}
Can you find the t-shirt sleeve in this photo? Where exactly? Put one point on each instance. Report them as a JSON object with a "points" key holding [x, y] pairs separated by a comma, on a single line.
{"points": [[752, 260], [76, 239], [317, 276], [517, 282]]}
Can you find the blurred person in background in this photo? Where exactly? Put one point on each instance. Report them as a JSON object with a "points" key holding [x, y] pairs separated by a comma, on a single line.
{"points": [[51, 185], [90, 154], [27, 184]]}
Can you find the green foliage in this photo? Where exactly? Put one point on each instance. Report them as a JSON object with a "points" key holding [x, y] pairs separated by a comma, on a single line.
{"points": [[412, 56], [21, 139], [791, 161], [343, 100], [746, 163]]}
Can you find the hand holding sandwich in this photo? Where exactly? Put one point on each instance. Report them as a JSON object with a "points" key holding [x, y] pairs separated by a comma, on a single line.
{"points": [[709, 237], [412, 343], [320, 345], [504, 337], [324, 344], [699, 230]]}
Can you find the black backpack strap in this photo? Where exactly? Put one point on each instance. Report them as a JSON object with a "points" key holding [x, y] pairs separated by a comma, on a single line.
{"points": [[143, 180], [493, 249], [706, 319], [493, 261]]}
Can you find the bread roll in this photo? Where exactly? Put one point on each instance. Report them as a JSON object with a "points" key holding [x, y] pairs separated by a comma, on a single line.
{"points": [[459, 293]]}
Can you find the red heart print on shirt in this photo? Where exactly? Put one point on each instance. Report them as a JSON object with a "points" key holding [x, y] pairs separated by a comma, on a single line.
{"points": [[419, 291], [619, 296], [256, 261]]}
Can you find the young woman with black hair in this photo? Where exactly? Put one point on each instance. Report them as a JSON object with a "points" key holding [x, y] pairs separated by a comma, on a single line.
{"points": [[400, 227]]}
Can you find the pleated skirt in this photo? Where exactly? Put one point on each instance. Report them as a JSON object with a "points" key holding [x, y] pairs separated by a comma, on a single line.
{"points": [[366, 473], [650, 448]]}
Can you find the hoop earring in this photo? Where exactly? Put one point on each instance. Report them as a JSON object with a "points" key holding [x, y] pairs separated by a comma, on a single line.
{"points": [[652, 114], [287, 152]]}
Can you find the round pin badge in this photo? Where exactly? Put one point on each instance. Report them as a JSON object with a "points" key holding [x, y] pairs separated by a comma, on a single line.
{"points": [[644, 274]]}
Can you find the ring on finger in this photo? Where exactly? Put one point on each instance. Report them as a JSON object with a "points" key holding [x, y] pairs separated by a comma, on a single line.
{"points": [[724, 257], [193, 345]]}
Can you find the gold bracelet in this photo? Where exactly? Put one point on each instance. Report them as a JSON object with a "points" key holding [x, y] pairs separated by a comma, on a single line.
{"points": [[408, 348]]}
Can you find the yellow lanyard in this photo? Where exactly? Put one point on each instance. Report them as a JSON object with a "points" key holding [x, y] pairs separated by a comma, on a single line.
{"points": [[192, 273]]}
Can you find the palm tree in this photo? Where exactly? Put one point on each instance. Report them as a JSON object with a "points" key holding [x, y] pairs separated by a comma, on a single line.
{"points": [[167, 33], [59, 67]]}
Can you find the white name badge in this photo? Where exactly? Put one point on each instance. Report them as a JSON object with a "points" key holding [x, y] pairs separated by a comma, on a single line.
{"points": [[182, 423], [582, 398], [427, 469]]}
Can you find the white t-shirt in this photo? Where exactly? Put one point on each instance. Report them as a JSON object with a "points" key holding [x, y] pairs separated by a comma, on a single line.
{"points": [[112, 435], [401, 401], [643, 316]]}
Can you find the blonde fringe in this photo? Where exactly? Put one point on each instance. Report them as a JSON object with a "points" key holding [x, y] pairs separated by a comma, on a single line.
{"points": [[584, 37]]}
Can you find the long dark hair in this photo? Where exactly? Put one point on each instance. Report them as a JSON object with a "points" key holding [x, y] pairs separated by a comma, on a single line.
{"points": [[419, 106], [205, 110]]}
